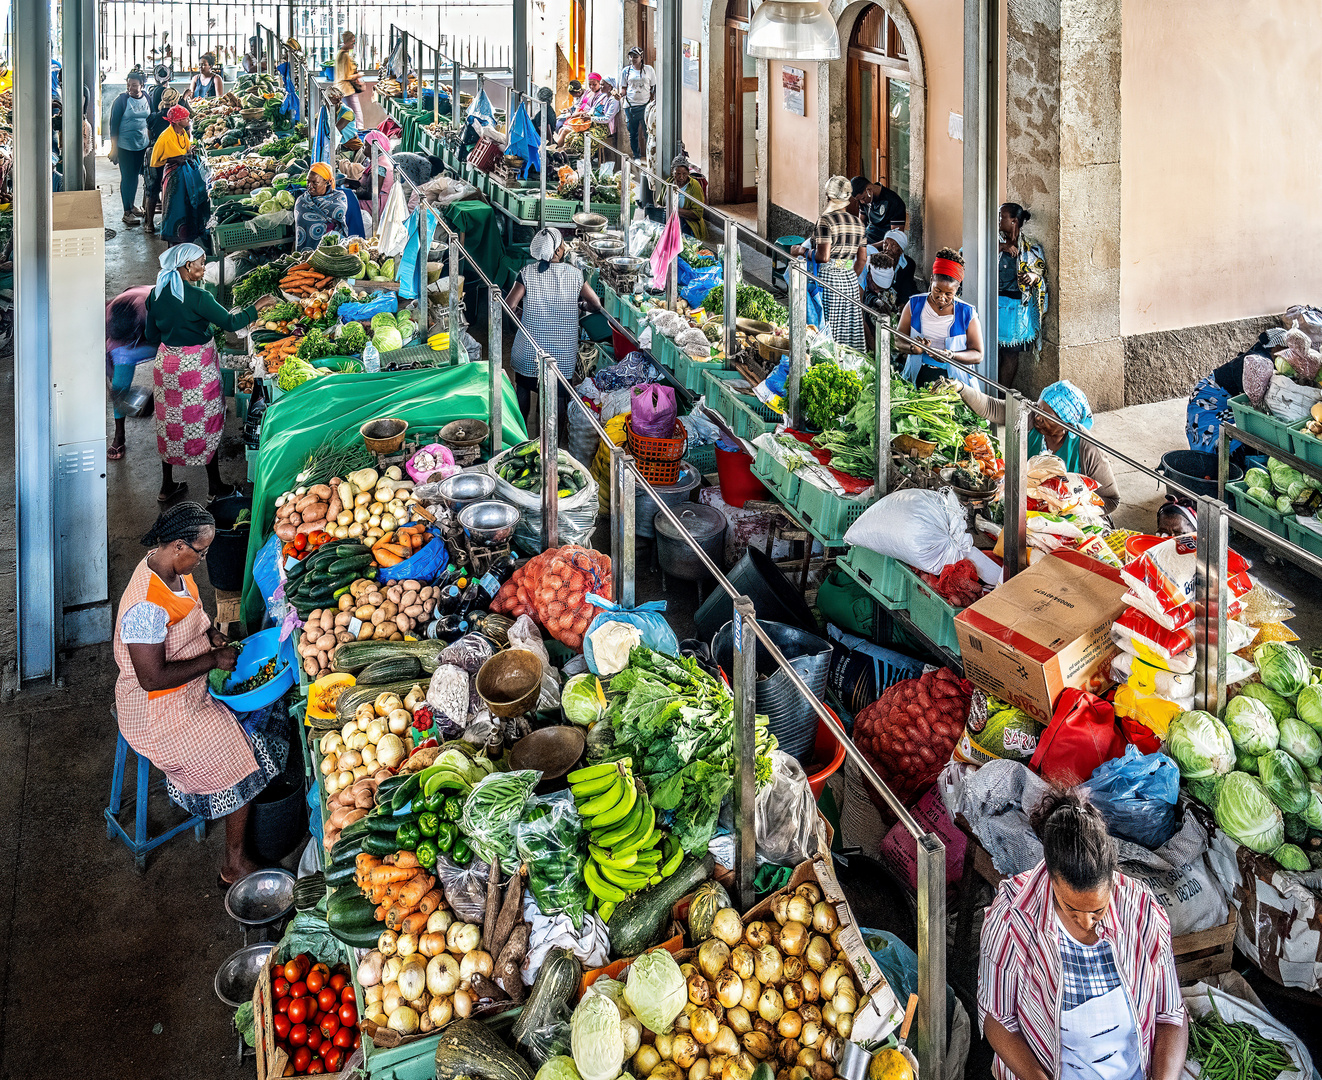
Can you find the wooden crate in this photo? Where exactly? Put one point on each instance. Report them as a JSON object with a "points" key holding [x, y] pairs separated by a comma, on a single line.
{"points": [[1208, 952]]}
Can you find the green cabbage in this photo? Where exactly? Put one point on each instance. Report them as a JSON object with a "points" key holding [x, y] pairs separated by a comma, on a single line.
{"points": [[353, 339], [1283, 667], [656, 990], [1280, 708], [285, 199], [1313, 811], [558, 1068], [382, 318], [1300, 741], [1247, 815], [1207, 790], [583, 701], [387, 339], [1251, 726], [1291, 858], [1200, 745], [270, 206], [1296, 828], [597, 1038], [1246, 762], [1283, 781], [1258, 478], [1309, 706], [1313, 773], [1284, 504]]}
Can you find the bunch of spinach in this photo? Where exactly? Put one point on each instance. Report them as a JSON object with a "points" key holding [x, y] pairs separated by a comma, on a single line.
{"points": [[677, 723]]}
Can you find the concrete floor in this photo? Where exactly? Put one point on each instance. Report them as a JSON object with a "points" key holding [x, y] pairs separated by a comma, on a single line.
{"points": [[153, 942]]}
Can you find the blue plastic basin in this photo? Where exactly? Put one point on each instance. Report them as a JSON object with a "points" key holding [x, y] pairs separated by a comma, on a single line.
{"points": [[257, 649]]}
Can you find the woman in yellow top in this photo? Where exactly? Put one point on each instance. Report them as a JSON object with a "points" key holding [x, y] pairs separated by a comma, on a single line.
{"points": [[347, 80], [169, 153]]}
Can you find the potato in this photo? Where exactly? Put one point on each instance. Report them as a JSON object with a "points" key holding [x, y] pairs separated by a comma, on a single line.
{"points": [[375, 599], [411, 584], [404, 623], [365, 632], [365, 612], [342, 618], [381, 632], [286, 531], [379, 616], [391, 610], [414, 611], [342, 636], [407, 600], [394, 593], [328, 619], [310, 665]]}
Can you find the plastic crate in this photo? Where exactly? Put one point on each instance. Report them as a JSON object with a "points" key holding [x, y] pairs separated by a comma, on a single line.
{"points": [[929, 613], [880, 576], [525, 207], [227, 381], [1260, 424], [1256, 512], [826, 514], [251, 455], [1303, 537], [631, 315], [702, 458], [691, 369], [747, 416], [1304, 445], [666, 352], [608, 210], [241, 405], [777, 477], [239, 237]]}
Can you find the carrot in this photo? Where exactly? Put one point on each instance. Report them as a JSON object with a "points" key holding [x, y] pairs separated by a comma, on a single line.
{"points": [[300, 266], [397, 914], [413, 892], [364, 861], [392, 549], [384, 558], [407, 859], [430, 902], [415, 540], [384, 875], [384, 538], [378, 894], [414, 923], [381, 912]]}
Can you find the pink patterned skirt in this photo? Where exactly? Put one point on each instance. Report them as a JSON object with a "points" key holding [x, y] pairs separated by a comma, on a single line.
{"points": [[190, 404]]}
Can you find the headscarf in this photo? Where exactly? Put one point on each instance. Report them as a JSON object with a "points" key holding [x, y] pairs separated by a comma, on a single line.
{"points": [[324, 171], [680, 160], [171, 260], [900, 237], [594, 75], [838, 194], [544, 246], [1069, 403], [177, 115]]}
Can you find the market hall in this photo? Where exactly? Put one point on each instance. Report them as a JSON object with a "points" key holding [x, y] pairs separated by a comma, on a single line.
{"points": [[474, 609]]}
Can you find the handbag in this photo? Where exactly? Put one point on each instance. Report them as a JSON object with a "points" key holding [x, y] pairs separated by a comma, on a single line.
{"points": [[1082, 734]]}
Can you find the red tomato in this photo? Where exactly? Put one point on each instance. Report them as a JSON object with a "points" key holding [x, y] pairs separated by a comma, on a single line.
{"points": [[347, 994], [322, 972], [327, 1000], [282, 1026], [298, 1010], [349, 1013], [302, 1059], [338, 982], [299, 989], [334, 1060], [316, 1067], [327, 1047], [330, 1024], [298, 1035], [297, 967], [314, 1037], [282, 1005], [344, 1038], [357, 1039], [280, 985]]}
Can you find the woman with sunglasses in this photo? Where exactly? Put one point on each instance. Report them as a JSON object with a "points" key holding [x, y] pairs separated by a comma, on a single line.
{"points": [[215, 762]]}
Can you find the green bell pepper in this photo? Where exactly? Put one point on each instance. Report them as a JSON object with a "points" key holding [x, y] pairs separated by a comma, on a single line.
{"points": [[461, 854], [434, 801], [427, 854], [446, 835], [453, 809], [429, 823], [408, 836]]}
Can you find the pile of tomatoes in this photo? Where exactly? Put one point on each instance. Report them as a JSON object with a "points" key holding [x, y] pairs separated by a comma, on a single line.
{"points": [[315, 1017]]}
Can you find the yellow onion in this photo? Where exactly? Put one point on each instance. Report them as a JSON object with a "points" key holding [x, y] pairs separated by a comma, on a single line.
{"points": [[413, 978], [829, 1015], [845, 1001], [729, 988], [758, 1045], [844, 1024], [387, 943], [811, 1014], [441, 1010], [739, 1019], [726, 1041], [810, 891], [442, 974], [667, 1070], [439, 921], [699, 992], [792, 993], [752, 991], [824, 918], [403, 1019], [799, 1073], [818, 953], [812, 986], [811, 1034], [713, 956], [728, 926], [703, 1025], [808, 1057], [701, 1069], [646, 1060], [684, 1051], [831, 978], [742, 961], [790, 1024], [767, 964], [757, 934], [463, 1004], [793, 938], [735, 1069], [373, 994], [716, 1062], [799, 909], [788, 1049], [823, 1071], [793, 967], [390, 969], [761, 1025], [406, 944], [664, 1045], [780, 908], [770, 1006]]}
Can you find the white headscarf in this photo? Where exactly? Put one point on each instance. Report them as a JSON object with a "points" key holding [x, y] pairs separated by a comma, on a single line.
{"points": [[171, 260], [545, 244], [901, 238]]}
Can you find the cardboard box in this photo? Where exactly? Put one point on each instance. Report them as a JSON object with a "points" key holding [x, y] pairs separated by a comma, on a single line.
{"points": [[1045, 629]]}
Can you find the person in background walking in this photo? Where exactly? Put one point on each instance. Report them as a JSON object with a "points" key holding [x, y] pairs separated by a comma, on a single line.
{"points": [[639, 82], [130, 116], [1021, 291], [207, 82], [252, 59], [840, 248], [164, 97], [126, 319], [347, 80]]}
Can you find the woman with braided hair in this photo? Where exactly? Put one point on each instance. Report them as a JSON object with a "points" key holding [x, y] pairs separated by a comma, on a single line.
{"points": [[215, 762]]}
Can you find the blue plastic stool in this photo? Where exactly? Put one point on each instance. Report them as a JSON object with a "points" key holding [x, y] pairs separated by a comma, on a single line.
{"points": [[778, 270], [138, 843]]}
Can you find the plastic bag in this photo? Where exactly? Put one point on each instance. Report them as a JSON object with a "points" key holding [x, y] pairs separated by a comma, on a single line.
{"points": [[1140, 635], [554, 587], [492, 810], [576, 514], [469, 653], [425, 564], [583, 437], [552, 842], [523, 634], [438, 463], [654, 632], [447, 695], [789, 829], [1136, 794], [695, 283], [464, 887], [922, 528], [654, 410]]}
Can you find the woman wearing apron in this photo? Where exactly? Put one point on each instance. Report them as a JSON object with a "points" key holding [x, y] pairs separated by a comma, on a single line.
{"points": [[940, 320], [1077, 979]]}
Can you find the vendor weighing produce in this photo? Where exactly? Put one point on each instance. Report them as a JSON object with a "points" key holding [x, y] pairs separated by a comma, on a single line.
{"points": [[215, 764]]}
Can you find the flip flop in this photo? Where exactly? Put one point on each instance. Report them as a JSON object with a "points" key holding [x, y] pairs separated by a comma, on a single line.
{"points": [[116, 453], [174, 493]]}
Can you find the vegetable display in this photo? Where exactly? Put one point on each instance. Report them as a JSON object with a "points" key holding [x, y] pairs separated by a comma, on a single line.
{"points": [[750, 302], [1234, 1051], [827, 391], [314, 1014]]}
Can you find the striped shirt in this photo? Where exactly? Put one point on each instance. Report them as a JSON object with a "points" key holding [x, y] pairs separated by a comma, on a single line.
{"points": [[845, 232], [1021, 976]]}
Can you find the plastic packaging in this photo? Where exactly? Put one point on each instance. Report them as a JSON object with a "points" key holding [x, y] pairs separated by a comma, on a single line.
{"points": [[921, 528], [464, 887], [447, 695], [647, 618], [523, 634], [469, 653], [492, 811], [552, 843], [1136, 794], [577, 513], [653, 410], [789, 829]]}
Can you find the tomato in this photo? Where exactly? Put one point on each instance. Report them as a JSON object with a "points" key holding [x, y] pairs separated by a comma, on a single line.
{"points": [[322, 970], [298, 1035], [346, 995], [282, 1026], [302, 1058], [316, 1067], [334, 1060], [338, 982], [301, 542], [327, 1000], [349, 1013], [298, 1010], [314, 1038], [299, 989], [297, 967], [344, 1038], [282, 1005], [280, 986], [289, 1069], [330, 1024], [357, 1039]]}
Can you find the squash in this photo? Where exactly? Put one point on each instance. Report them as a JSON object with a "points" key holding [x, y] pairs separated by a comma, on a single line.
{"points": [[470, 1048], [709, 898], [555, 987], [324, 693], [639, 921]]}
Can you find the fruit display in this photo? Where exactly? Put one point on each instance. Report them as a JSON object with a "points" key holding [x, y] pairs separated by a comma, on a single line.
{"points": [[314, 1016]]}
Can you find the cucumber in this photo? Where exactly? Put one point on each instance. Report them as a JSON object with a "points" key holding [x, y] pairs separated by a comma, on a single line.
{"points": [[382, 823], [352, 918], [355, 830], [350, 564], [390, 669], [384, 844], [347, 849]]}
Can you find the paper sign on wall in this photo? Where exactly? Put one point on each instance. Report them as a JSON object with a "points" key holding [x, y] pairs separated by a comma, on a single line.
{"points": [[791, 80]]}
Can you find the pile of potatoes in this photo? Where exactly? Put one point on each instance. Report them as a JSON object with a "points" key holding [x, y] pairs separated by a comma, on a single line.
{"points": [[387, 613], [307, 510]]}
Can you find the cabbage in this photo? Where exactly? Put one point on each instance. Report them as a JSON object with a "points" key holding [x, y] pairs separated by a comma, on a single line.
{"points": [[583, 701], [1247, 815], [1207, 790], [1313, 773], [1309, 706], [1313, 811], [382, 318], [354, 339], [1246, 762], [1283, 504], [1251, 726], [1296, 828], [1290, 857], [387, 339], [1262, 495], [1200, 745], [596, 1038], [1283, 781], [1283, 667], [656, 990], [1300, 741], [558, 1068], [270, 206], [1280, 708], [1258, 478], [613, 989]]}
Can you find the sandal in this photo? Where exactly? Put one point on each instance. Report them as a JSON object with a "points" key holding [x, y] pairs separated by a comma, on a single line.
{"points": [[179, 488], [116, 453]]}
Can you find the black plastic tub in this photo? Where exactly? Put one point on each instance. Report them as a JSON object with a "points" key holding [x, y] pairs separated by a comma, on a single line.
{"points": [[774, 597], [279, 817], [229, 550], [1194, 470]]}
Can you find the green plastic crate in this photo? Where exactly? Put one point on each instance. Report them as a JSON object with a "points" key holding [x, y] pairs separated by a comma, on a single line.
{"points": [[826, 514], [239, 237], [607, 209], [1255, 511], [1303, 537], [930, 614], [525, 207], [666, 352], [1264, 426], [747, 416], [241, 405], [691, 369], [251, 455], [1304, 445], [227, 381], [631, 315], [702, 458], [776, 476], [880, 576]]}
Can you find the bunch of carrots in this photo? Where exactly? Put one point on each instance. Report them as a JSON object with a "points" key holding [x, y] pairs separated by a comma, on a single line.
{"points": [[302, 280], [394, 547], [277, 352], [403, 892]]}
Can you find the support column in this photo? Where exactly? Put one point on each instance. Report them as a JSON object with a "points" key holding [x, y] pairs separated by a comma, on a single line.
{"points": [[982, 169], [71, 127], [1063, 149], [520, 49], [669, 57]]}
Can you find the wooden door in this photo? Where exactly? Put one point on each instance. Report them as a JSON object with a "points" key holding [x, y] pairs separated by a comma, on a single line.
{"points": [[740, 114]]}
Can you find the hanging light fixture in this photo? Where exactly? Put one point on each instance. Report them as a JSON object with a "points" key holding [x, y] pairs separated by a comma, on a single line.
{"points": [[793, 30]]}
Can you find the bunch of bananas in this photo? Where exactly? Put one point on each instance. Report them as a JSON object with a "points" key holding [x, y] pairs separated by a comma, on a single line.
{"points": [[627, 851]]}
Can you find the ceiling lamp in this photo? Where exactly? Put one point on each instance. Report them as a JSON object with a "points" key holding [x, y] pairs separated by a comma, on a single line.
{"points": [[793, 30]]}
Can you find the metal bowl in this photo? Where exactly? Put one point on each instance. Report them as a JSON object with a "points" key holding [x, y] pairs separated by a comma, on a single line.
{"points": [[262, 897], [625, 264], [510, 681], [591, 223], [464, 432], [384, 436], [490, 522], [606, 247], [464, 488], [237, 978]]}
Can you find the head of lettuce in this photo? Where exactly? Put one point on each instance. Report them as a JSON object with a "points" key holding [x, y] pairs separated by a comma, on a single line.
{"points": [[1200, 745]]}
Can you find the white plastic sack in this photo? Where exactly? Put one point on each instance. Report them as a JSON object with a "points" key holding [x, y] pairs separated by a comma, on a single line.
{"points": [[523, 634], [925, 529], [1181, 878], [578, 512], [392, 231], [1198, 1000], [1288, 401], [789, 829]]}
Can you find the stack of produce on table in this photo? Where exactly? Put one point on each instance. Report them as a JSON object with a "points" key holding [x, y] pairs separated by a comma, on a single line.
{"points": [[694, 333], [1284, 489], [1289, 391], [388, 87], [363, 505], [315, 1015], [239, 177], [347, 803], [303, 280], [552, 588], [828, 392], [522, 467], [364, 611], [750, 302], [391, 332]]}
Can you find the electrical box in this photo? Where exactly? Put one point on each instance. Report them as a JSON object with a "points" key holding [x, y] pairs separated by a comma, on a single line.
{"points": [[78, 384]]}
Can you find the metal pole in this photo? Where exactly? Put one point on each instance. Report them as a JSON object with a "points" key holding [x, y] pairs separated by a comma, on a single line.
{"points": [[421, 71], [454, 94], [541, 173], [71, 127], [587, 173], [1210, 604], [376, 187], [1015, 524], [618, 541], [882, 397], [669, 57], [548, 399], [930, 1043], [731, 284], [436, 87], [982, 164], [744, 685], [626, 523], [798, 281], [34, 579], [520, 67], [495, 358], [626, 189], [456, 295]]}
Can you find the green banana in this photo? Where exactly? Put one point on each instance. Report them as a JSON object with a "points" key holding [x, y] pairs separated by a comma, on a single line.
{"points": [[614, 813], [605, 858], [592, 772], [599, 887], [609, 800], [612, 837], [586, 788], [624, 879], [674, 856], [638, 839]]}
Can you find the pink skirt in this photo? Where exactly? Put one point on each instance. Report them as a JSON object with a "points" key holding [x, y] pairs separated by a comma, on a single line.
{"points": [[190, 404]]}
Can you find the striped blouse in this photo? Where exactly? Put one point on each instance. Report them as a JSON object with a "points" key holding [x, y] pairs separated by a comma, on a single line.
{"points": [[1020, 972]]}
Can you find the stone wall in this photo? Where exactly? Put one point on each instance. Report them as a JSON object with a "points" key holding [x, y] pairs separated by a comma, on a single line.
{"points": [[1167, 363]]}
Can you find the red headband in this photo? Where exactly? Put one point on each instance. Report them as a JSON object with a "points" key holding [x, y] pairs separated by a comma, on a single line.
{"points": [[948, 268]]}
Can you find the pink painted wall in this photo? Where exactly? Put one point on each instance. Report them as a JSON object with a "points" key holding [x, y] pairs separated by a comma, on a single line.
{"points": [[792, 143]]}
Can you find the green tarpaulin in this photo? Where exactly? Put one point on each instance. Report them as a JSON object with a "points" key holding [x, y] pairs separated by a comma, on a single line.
{"points": [[482, 240], [294, 426]]}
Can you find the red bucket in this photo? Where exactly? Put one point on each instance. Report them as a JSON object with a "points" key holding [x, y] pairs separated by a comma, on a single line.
{"points": [[828, 754], [738, 484]]}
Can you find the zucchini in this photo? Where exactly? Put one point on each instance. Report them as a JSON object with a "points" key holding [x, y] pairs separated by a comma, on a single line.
{"points": [[553, 991], [384, 844], [355, 830], [351, 917], [353, 656], [308, 890], [350, 564], [346, 849], [382, 823], [390, 669], [349, 701], [640, 920], [469, 1048], [338, 874]]}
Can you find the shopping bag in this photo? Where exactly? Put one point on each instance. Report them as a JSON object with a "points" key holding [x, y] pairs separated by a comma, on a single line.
{"points": [[654, 410], [1082, 734], [1136, 794]]}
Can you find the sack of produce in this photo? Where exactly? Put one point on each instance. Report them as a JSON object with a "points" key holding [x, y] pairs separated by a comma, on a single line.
{"points": [[550, 838], [860, 670], [789, 829], [554, 588], [997, 730], [519, 483], [614, 633], [924, 529]]}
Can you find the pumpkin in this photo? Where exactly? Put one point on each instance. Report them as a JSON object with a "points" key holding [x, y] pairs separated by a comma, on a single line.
{"points": [[709, 898], [324, 694]]}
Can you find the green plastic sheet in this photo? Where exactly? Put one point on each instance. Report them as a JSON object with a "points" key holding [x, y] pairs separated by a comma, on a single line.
{"points": [[297, 424], [482, 240]]}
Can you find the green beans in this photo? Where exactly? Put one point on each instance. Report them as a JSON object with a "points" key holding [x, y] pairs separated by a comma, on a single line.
{"points": [[1234, 1051]]}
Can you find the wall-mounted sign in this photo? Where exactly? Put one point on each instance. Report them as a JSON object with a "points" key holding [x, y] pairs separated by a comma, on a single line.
{"points": [[692, 66], [791, 80]]}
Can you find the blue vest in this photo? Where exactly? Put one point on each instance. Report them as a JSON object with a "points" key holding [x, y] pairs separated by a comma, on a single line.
{"points": [[957, 341]]}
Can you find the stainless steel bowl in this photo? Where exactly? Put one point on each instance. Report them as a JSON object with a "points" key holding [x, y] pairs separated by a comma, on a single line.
{"points": [[262, 897], [464, 488], [591, 223], [491, 522], [237, 978], [625, 264], [606, 248]]}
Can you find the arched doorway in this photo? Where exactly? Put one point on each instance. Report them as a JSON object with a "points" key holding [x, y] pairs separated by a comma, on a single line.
{"points": [[646, 31], [878, 126], [741, 106]]}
